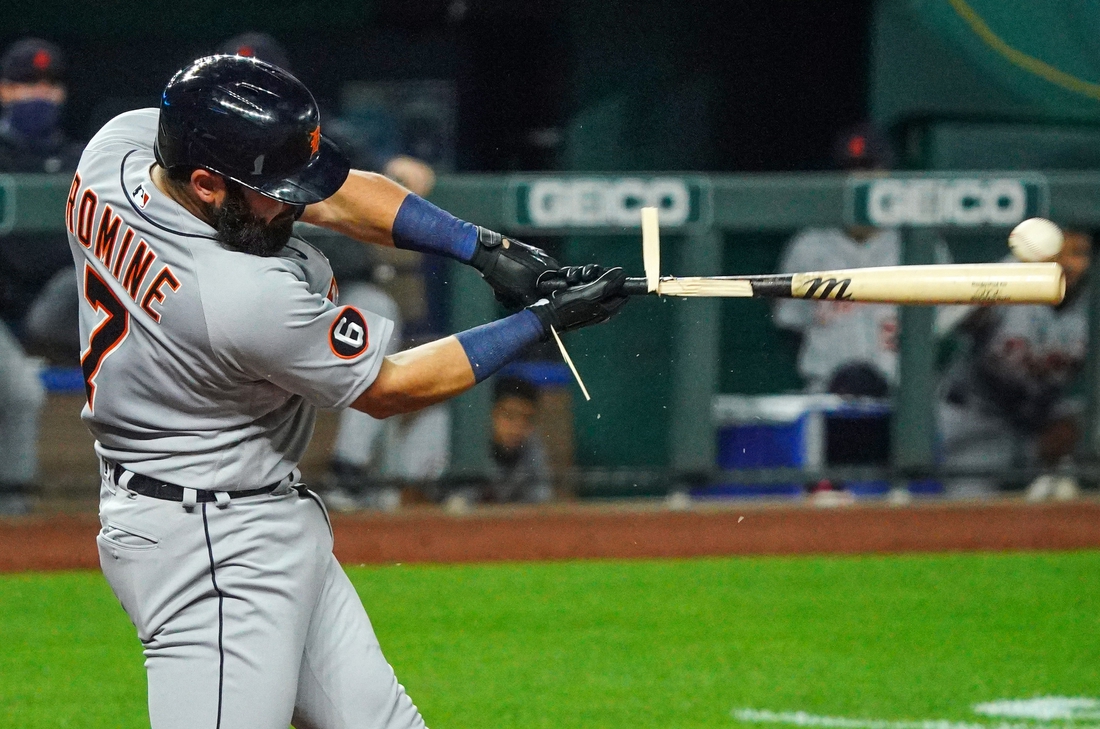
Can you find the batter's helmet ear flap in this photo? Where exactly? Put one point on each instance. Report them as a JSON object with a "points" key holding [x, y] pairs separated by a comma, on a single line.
{"points": [[252, 123]]}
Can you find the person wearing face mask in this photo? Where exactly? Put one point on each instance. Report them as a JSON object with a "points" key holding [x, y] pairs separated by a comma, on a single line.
{"points": [[31, 141], [32, 95]]}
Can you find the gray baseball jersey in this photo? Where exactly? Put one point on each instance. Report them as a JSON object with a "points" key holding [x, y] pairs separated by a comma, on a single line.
{"points": [[1021, 361], [841, 332], [1001, 390], [21, 398], [203, 366]]}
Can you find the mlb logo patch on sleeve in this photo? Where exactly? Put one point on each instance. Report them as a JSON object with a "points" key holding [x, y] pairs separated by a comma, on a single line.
{"points": [[348, 335], [140, 196]]}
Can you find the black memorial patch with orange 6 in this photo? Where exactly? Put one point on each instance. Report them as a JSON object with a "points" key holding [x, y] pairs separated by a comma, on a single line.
{"points": [[348, 335]]}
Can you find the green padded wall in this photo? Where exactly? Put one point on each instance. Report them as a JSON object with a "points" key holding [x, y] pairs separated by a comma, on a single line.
{"points": [[987, 58]]}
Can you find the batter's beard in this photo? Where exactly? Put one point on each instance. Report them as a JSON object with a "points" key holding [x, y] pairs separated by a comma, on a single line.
{"points": [[242, 231]]}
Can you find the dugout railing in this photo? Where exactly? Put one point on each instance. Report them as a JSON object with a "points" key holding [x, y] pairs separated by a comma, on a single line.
{"points": [[699, 209]]}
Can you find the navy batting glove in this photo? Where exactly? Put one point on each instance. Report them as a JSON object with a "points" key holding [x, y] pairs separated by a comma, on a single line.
{"points": [[582, 305]]}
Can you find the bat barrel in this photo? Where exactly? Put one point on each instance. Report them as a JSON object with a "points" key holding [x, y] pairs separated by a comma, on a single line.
{"points": [[988, 283]]}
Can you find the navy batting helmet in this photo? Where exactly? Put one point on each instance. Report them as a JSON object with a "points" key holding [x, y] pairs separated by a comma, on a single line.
{"points": [[253, 123]]}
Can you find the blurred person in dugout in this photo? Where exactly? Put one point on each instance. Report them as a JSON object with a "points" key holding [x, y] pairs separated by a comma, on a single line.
{"points": [[843, 347], [371, 458], [32, 96], [1005, 398], [519, 468]]}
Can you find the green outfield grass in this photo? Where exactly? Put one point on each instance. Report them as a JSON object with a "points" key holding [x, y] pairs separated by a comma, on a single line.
{"points": [[635, 644]]}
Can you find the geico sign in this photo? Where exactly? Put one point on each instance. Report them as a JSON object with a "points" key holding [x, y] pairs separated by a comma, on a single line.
{"points": [[581, 203], [958, 202]]}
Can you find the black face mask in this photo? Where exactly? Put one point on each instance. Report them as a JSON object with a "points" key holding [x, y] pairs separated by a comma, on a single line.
{"points": [[239, 229], [35, 119]]}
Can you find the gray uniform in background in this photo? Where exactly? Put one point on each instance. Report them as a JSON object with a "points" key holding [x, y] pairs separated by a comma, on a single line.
{"points": [[204, 368], [1003, 389], [837, 333], [21, 398], [414, 447]]}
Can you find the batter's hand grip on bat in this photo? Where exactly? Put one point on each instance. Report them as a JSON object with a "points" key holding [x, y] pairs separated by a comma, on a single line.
{"points": [[632, 286]]}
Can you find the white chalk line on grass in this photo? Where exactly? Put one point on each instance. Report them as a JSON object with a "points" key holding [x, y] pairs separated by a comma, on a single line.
{"points": [[801, 718], [1042, 708]]}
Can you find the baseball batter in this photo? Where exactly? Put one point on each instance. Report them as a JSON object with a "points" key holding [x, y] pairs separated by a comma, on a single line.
{"points": [[211, 336]]}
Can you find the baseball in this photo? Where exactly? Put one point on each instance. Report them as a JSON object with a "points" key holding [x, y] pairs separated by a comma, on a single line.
{"points": [[1035, 239]]}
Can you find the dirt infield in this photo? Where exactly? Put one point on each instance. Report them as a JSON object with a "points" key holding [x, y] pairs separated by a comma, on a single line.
{"points": [[586, 531]]}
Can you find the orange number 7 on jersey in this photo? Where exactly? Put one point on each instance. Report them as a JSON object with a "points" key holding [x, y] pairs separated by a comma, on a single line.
{"points": [[108, 335]]}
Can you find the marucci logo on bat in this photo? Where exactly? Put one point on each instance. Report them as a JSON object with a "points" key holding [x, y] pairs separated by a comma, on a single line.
{"points": [[827, 287]]}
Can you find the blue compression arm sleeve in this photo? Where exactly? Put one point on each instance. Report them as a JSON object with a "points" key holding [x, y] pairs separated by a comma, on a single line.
{"points": [[421, 226], [491, 346]]}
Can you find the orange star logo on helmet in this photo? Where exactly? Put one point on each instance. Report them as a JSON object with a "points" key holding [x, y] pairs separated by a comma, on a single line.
{"points": [[315, 140]]}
